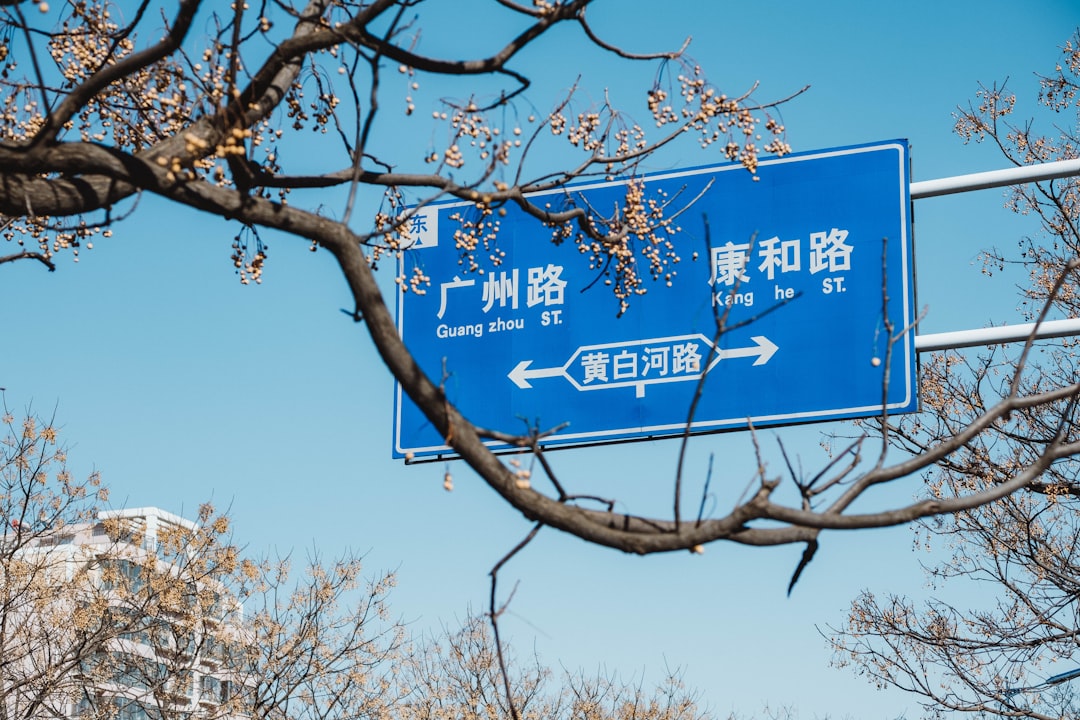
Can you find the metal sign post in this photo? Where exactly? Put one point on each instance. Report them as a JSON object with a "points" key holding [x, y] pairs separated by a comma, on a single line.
{"points": [[809, 267]]}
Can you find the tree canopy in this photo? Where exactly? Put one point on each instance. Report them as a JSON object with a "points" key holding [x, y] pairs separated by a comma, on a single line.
{"points": [[104, 616], [1008, 652]]}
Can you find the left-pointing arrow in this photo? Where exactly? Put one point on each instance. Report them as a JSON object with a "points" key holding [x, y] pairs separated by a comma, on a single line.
{"points": [[521, 373]]}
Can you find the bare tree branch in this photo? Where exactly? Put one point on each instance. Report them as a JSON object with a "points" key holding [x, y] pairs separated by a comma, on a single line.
{"points": [[1023, 550], [216, 140]]}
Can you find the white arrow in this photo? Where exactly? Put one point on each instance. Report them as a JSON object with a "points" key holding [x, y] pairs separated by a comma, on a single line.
{"points": [[762, 351], [521, 374], [763, 347]]}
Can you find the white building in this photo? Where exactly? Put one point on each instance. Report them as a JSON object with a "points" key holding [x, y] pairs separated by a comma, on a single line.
{"points": [[115, 619]]}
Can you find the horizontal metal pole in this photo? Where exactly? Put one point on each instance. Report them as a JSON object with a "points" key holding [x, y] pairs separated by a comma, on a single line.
{"points": [[995, 178], [1056, 680], [996, 335], [981, 181]]}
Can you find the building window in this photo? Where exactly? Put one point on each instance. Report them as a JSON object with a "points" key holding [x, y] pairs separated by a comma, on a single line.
{"points": [[214, 690], [120, 573]]}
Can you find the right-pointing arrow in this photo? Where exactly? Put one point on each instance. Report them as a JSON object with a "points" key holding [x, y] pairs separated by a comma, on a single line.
{"points": [[763, 348]]}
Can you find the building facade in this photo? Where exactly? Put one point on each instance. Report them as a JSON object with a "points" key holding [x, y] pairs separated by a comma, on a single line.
{"points": [[122, 618]]}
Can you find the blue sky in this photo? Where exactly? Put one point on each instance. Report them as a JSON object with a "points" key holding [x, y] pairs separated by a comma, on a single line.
{"points": [[181, 386]]}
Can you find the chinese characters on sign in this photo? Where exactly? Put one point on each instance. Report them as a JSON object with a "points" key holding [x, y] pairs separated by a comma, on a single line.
{"points": [[795, 274], [828, 252], [544, 288], [677, 360]]}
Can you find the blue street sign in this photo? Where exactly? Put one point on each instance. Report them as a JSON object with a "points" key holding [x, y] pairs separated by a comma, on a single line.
{"points": [[807, 267]]}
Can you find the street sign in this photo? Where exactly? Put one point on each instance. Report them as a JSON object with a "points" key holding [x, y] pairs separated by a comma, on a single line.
{"points": [[808, 267]]}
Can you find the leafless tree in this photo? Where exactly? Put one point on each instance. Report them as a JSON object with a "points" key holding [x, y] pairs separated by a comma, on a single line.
{"points": [[104, 107], [1018, 558], [105, 616], [458, 674]]}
